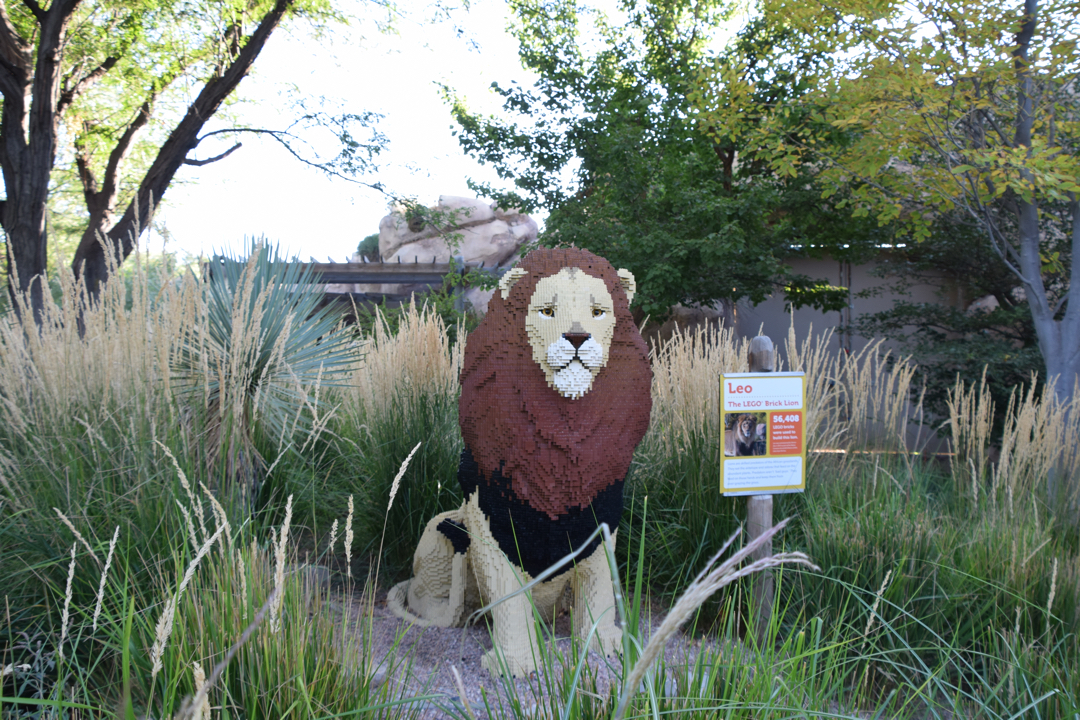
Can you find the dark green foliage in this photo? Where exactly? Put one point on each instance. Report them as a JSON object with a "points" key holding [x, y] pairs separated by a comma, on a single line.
{"points": [[445, 301], [428, 487], [369, 247], [686, 518], [651, 191], [966, 572], [114, 476], [948, 342]]}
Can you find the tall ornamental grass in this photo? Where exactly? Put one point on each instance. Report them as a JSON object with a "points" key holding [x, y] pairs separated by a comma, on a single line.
{"points": [[259, 361], [403, 392], [1037, 455], [93, 394], [136, 580], [231, 627], [860, 401], [85, 396]]}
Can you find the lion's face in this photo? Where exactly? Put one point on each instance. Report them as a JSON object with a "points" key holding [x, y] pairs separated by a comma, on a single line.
{"points": [[570, 323], [747, 426]]}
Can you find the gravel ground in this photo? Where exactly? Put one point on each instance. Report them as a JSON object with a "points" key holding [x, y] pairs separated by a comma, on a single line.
{"points": [[423, 662], [424, 659]]}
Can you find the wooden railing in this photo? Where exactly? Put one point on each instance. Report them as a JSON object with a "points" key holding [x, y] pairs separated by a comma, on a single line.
{"points": [[382, 273]]}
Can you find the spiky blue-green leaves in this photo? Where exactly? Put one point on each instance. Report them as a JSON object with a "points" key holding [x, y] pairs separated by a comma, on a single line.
{"points": [[262, 358]]}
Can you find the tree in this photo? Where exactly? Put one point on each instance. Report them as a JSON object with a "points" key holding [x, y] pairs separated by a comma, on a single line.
{"points": [[83, 83], [956, 104], [605, 140]]}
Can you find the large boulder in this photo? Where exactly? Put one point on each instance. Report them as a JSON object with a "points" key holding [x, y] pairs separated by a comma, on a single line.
{"points": [[480, 232]]}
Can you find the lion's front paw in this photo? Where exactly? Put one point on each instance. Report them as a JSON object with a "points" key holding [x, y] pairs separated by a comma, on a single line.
{"points": [[498, 664]]}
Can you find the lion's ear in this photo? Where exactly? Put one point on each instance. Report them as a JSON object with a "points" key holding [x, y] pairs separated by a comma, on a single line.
{"points": [[508, 280], [626, 279]]}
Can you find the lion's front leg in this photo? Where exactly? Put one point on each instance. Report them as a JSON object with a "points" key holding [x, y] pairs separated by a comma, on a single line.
{"points": [[514, 628], [514, 635], [594, 603]]}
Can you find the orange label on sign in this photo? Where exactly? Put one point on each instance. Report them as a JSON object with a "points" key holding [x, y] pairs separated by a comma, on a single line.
{"points": [[785, 433]]}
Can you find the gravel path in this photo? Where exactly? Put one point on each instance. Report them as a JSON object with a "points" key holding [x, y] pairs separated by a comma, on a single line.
{"points": [[423, 662]]}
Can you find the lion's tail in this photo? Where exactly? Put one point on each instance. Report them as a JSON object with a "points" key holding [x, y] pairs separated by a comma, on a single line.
{"points": [[397, 601]]}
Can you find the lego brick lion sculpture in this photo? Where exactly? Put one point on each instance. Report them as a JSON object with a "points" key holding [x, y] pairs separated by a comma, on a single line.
{"points": [[555, 397]]}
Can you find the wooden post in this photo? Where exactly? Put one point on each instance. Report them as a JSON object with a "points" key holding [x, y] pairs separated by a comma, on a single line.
{"points": [[759, 507]]}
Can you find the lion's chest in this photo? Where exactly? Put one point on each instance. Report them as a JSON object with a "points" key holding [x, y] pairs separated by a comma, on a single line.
{"points": [[529, 537]]}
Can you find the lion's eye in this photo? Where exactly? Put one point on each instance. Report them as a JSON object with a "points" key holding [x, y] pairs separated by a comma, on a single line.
{"points": [[597, 313], [547, 312]]}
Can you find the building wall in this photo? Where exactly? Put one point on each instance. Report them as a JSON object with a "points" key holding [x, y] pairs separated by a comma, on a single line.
{"points": [[775, 317]]}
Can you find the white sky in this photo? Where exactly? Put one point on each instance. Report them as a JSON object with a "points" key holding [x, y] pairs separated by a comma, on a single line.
{"points": [[262, 191]]}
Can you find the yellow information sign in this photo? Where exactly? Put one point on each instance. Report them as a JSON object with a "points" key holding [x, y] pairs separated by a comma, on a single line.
{"points": [[763, 418]]}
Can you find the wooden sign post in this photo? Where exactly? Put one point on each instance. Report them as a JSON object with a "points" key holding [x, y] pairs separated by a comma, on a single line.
{"points": [[762, 415], [759, 507]]}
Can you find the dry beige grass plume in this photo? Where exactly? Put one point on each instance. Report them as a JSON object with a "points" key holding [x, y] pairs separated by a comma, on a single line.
{"points": [[117, 351], [195, 504], [686, 382], [242, 571], [333, 538], [279, 568], [877, 601], [78, 536], [165, 621], [349, 539], [202, 710], [219, 517], [192, 537], [416, 360], [65, 615], [397, 478], [105, 576]]}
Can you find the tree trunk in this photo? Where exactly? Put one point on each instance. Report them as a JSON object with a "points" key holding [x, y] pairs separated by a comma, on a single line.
{"points": [[28, 144], [27, 244], [91, 262], [1059, 339]]}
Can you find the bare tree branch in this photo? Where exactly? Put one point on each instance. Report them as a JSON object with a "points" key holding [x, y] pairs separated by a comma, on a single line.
{"points": [[283, 137], [69, 94], [89, 257], [86, 177], [124, 144], [222, 156]]}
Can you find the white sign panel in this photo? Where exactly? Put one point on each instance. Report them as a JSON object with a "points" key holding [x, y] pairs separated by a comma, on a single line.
{"points": [[763, 416], [762, 391]]}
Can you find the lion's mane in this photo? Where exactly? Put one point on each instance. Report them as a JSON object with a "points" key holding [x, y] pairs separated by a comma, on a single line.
{"points": [[559, 453]]}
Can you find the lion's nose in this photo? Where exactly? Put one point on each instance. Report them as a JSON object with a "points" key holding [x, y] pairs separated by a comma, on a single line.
{"points": [[576, 339]]}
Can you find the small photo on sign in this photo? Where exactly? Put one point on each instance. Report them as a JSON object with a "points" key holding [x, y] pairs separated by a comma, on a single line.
{"points": [[745, 434]]}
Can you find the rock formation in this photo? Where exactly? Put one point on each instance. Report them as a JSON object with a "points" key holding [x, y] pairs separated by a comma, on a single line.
{"points": [[485, 233], [474, 229]]}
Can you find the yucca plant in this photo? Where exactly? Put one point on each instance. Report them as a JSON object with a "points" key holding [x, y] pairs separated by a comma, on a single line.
{"points": [[261, 359]]}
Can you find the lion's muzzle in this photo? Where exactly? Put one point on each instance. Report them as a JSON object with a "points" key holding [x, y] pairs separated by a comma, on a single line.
{"points": [[575, 358]]}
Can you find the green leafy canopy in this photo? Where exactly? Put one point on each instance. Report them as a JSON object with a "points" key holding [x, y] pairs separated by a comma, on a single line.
{"points": [[944, 106]]}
